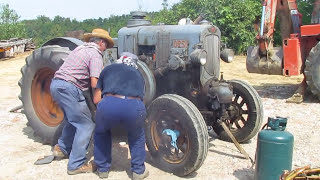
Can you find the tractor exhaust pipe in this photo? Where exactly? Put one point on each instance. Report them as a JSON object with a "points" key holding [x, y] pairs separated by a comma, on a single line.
{"points": [[198, 20]]}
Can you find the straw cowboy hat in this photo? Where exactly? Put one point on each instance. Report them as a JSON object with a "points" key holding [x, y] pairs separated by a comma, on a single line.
{"points": [[100, 33]]}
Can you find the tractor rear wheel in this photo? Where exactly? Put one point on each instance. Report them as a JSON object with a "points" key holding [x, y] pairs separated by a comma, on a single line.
{"points": [[176, 113], [43, 114], [312, 70], [245, 113]]}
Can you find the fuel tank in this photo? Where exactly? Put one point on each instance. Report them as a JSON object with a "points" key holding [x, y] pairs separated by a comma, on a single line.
{"points": [[274, 150]]}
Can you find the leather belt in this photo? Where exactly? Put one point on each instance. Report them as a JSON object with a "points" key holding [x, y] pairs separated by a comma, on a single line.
{"points": [[121, 96]]}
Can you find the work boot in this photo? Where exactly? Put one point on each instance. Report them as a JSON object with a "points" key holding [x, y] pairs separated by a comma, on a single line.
{"points": [[296, 98], [103, 175], [85, 168], [136, 176], [58, 153]]}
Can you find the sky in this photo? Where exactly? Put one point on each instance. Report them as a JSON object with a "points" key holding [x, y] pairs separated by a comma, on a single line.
{"points": [[81, 9]]}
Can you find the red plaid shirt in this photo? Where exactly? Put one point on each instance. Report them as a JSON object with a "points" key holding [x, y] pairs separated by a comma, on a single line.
{"points": [[82, 63]]}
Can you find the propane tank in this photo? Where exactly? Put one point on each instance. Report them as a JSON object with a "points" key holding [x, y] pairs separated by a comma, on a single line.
{"points": [[274, 150]]}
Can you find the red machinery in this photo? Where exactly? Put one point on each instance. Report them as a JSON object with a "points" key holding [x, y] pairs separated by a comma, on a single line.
{"points": [[300, 51]]}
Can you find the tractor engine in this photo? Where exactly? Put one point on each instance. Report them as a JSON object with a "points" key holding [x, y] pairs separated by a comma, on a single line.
{"points": [[182, 58]]}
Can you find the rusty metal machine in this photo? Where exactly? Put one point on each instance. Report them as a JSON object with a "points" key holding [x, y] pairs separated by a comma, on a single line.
{"points": [[183, 94], [13, 46], [300, 44]]}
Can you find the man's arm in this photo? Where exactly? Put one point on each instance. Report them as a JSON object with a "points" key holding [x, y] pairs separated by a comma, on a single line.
{"points": [[94, 82], [97, 95], [96, 91]]}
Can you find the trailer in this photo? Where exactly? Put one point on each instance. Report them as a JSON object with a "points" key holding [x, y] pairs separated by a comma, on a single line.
{"points": [[14, 46]]}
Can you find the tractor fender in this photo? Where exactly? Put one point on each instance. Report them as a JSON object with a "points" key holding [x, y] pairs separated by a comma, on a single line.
{"points": [[69, 42]]}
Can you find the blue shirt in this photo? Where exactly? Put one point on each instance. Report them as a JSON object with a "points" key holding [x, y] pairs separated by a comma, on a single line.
{"points": [[121, 79]]}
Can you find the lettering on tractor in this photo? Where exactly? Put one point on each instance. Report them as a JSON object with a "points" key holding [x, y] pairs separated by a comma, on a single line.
{"points": [[183, 93]]}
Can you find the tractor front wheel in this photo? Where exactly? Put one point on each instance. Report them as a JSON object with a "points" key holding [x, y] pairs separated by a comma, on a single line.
{"points": [[176, 114]]}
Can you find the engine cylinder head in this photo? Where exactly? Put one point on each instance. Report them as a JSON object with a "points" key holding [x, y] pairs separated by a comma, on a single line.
{"points": [[138, 19]]}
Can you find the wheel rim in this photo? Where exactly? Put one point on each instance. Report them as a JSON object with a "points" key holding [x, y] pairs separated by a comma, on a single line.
{"points": [[170, 154], [238, 113], [45, 107]]}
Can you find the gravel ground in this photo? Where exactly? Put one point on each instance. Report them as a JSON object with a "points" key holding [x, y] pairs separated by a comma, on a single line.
{"points": [[20, 149]]}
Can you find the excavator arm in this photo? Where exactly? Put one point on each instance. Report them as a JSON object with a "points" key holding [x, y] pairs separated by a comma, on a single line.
{"points": [[299, 52], [267, 59]]}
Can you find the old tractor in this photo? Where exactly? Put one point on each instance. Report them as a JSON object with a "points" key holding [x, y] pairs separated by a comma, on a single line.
{"points": [[183, 92]]}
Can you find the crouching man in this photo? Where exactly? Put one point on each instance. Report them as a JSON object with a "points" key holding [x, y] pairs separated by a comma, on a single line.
{"points": [[121, 87]]}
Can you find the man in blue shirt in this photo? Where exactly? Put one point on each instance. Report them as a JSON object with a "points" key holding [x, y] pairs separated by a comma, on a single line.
{"points": [[121, 87]]}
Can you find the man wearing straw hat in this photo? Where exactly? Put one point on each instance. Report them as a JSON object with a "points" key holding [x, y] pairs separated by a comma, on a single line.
{"points": [[78, 73]]}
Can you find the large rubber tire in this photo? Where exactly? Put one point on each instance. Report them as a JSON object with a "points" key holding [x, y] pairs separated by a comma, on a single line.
{"points": [[178, 113], [43, 114], [149, 80], [247, 108], [312, 70]]}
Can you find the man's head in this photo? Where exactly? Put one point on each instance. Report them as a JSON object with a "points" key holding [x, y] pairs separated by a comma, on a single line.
{"points": [[128, 59], [100, 37]]}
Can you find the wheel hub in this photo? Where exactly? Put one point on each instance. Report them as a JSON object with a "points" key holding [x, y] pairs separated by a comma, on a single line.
{"points": [[162, 141], [45, 107], [238, 113]]}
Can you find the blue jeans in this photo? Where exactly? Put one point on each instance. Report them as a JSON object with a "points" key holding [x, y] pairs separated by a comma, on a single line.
{"points": [[79, 126], [131, 113]]}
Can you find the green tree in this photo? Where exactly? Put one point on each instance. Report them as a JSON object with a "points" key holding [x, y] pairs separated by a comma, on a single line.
{"points": [[234, 18], [305, 7], [10, 27], [165, 4]]}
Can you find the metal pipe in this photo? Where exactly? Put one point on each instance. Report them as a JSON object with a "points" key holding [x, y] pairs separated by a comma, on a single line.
{"points": [[16, 108], [239, 147], [199, 19], [262, 19]]}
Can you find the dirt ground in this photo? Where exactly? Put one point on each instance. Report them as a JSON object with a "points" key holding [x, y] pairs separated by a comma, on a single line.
{"points": [[20, 148]]}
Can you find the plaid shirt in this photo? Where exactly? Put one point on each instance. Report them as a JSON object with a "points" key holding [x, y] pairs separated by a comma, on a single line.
{"points": [[82, 63]]}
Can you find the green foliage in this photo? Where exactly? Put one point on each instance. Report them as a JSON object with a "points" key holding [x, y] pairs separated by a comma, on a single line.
{"points": [[233, 17], [43, 28], [165, 4], [10, 27], [305, 8]]}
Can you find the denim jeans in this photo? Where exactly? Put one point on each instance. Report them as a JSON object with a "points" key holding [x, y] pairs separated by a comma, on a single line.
{"points": [[131, 113], [77, 132]]}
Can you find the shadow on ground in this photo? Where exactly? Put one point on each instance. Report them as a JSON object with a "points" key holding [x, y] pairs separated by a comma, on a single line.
{"points": [[276, 91], [283, 91], [28, 131], [244, 174]]}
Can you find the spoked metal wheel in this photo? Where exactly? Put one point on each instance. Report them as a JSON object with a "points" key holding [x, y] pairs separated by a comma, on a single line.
{"points": [[176, 134], [245, 113]]}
